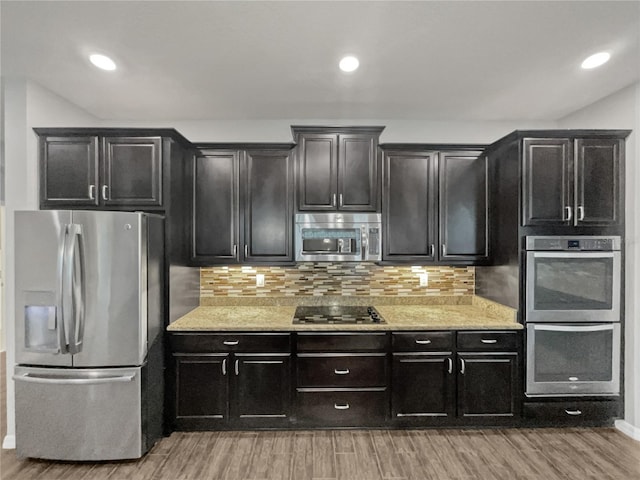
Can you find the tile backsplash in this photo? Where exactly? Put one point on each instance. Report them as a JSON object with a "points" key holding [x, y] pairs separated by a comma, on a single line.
{"points": [[344, 279]]}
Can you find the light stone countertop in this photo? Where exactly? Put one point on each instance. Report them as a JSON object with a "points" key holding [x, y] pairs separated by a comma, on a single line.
{"points": [[475, 314]]}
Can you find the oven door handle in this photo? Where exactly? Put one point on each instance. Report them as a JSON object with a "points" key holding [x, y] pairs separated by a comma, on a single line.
{"points": [[574, 328]]}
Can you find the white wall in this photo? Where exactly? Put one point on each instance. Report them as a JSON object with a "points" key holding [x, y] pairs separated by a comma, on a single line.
{"points": [[26, 105], [622, 111], [410, 131]]}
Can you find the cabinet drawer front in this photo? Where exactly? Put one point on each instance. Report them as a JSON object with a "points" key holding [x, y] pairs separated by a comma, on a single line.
{"points": [[230, 342], [342, 408], [341, 370], [487, 340], [571, 413], [423, 341], [341, 342]]}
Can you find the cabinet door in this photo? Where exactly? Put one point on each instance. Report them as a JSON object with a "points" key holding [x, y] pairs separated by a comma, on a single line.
{"points": [[487, 385], [408, 213], [262, 390], [268, 213], [202, 389], [215, 222], [132, 171], [462, 202], [68, 171], [547, 181], [358, 173], [317, 172], [423, 388], [599, 186]]}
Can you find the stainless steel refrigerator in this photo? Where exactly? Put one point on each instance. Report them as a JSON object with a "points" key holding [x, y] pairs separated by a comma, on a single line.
{"points": [[89, 312]]}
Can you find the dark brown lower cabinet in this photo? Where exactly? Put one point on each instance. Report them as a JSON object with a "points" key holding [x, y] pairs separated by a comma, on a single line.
{"points": [[571, 412], [220, 386], [488, 387], [432, 386]]}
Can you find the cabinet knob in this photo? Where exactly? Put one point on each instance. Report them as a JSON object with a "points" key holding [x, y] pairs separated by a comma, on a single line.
{"points": [[341, 407], [341, 372], [340, 202], [432, 250], [92, 192], [224, 366], [423, 342], [231, 343], [580, 213], [486, 340], [104, 192], [463, 366], [333, 200], [450, 361]]}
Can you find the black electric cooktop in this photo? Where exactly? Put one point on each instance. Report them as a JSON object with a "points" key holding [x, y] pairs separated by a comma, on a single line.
{"points": [[337, 314]]}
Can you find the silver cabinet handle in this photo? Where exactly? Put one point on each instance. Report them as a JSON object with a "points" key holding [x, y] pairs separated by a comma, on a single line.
{"points": [[92, 192], [237, 367], [104, 192], [341, 203], [573, 412], [580, 213], [450, 361], [341, 407], [486, 340], [463, 366], [333, 200], [423, 342], [341, 372], [246, 250], [224, 366], [444, 250], [231, 343], [569, 213], [432, 250], [235, 250]]}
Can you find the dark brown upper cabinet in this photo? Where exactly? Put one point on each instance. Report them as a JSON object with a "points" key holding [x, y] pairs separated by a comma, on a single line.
{"points": [[572, 181], [434, 206], [103, 168], [337, 168], [242, 205]]}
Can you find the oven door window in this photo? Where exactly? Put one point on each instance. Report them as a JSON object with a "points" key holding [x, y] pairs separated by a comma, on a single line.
{"points": [[573, 283]]}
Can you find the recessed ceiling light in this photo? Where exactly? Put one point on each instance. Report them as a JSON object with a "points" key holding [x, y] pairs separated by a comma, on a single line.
{"points": [[102, 61], [596, 60], [349, 64]]}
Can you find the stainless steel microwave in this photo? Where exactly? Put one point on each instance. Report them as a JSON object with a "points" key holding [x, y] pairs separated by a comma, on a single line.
{"points": [[338, 237]]}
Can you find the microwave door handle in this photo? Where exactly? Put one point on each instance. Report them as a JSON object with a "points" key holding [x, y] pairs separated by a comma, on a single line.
{"points": [[364, 242]]}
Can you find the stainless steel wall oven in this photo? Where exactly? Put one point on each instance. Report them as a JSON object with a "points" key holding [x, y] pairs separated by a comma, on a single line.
{"points": [[573, 296]]}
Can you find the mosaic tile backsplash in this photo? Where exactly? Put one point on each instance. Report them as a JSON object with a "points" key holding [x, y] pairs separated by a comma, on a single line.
{"points": [[344, 279]]}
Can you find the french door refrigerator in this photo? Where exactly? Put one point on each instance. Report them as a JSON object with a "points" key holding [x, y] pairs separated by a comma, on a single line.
{"points": [[89, 312]]}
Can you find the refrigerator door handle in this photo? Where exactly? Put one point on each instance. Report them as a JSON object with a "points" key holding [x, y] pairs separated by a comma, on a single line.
{"points": [[79, 289], [60, 323], [73, 289], [61, 380]]}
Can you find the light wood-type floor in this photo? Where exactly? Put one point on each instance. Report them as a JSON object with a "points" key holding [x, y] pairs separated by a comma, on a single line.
{"points": [[486, 454]]}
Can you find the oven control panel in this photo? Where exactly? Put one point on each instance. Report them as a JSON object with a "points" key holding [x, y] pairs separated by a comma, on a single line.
{"points": [[575, 243]]}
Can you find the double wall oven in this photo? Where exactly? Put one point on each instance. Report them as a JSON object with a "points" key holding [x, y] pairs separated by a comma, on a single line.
{"points": [[573, 295]]}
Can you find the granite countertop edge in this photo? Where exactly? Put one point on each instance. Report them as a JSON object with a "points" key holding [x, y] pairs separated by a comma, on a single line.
{"points": [[400, 313]]}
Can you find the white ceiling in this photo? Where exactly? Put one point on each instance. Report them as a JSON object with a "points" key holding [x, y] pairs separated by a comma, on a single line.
{"points": [[431, 60]]}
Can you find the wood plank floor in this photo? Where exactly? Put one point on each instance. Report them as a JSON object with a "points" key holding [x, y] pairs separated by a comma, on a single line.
{"points": [[485, 454]]}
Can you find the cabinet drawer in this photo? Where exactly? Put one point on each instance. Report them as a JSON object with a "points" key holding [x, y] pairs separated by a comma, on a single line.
{"points": [[342, 408], [230, 342], [571, 413], [487, 340], [341, 342], [423, 341], [346, 370]]}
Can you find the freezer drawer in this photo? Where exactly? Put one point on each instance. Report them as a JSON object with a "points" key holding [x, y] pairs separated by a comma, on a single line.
{"points": [[72, 414]]}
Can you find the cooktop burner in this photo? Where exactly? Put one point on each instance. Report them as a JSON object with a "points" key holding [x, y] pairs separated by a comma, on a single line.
{"points": [[337, 314]]}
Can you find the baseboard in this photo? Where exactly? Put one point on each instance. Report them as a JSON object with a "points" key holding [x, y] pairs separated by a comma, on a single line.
{"points": [[9, 442], [628, 429]]}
